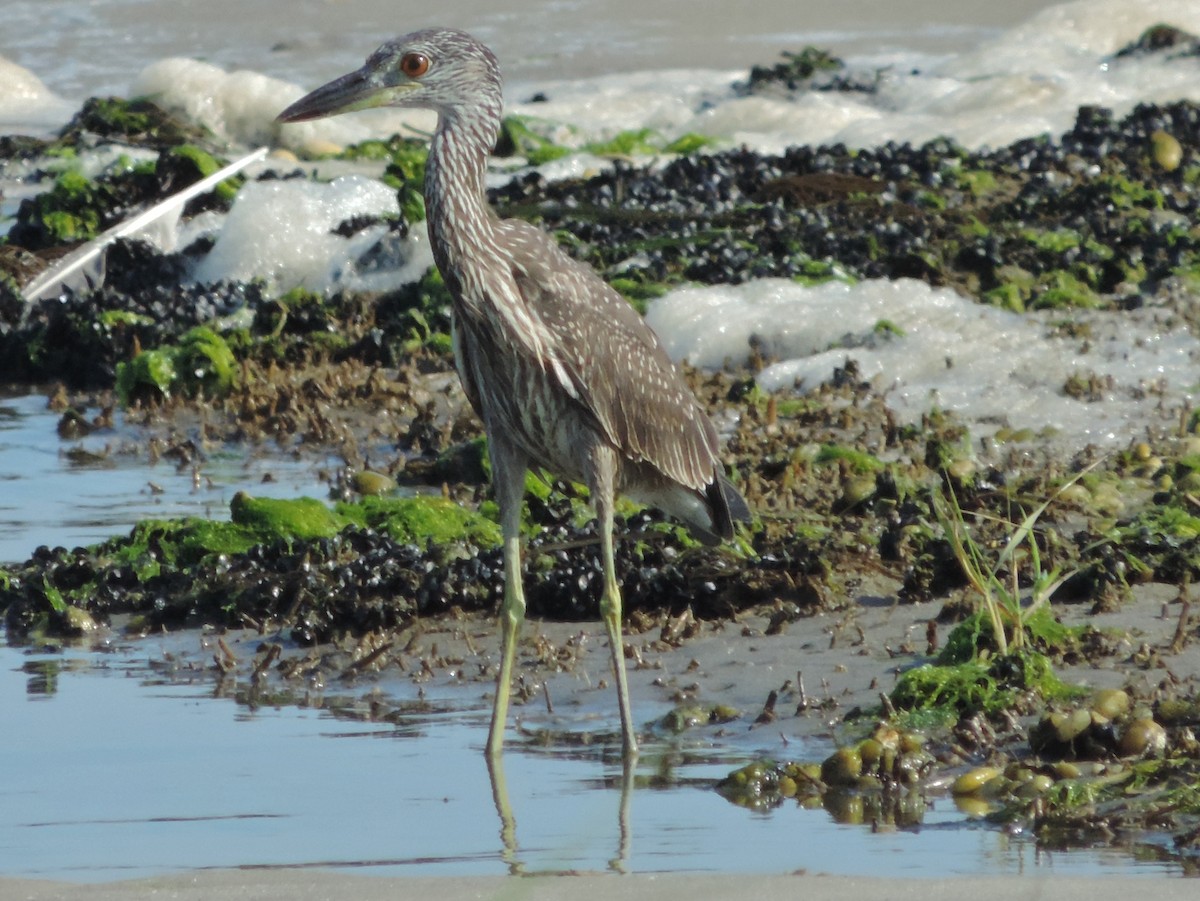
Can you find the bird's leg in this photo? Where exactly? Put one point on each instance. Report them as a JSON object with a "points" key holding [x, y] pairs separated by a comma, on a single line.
{"points": [[508, 479], [603, 487], [610, 612]]}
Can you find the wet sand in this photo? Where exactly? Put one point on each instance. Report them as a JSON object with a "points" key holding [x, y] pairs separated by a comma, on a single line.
{"points": [[304, 885]]}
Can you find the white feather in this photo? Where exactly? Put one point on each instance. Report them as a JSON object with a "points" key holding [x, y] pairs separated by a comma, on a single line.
{"points": [[61, 273]]}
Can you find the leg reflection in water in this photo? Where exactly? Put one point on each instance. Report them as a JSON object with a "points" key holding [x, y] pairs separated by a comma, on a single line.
{"points": [[508, 823]]}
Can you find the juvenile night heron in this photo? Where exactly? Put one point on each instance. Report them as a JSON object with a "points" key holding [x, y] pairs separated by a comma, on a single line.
{"points": [[563, 372]]}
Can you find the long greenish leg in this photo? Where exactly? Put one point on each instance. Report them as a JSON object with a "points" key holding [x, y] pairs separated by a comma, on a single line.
{"points": [[610, 612], [512, 614], [508, 478], [603, 479]]}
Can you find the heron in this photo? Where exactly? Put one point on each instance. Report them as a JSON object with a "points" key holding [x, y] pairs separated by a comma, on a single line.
{"points": [[565, 375]]}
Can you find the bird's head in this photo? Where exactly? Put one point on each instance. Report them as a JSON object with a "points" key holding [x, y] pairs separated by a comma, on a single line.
{"points": [[438, 68]]}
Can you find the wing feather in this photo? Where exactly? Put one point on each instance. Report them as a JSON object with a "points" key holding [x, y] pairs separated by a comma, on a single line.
{"points": [[611, 361]]}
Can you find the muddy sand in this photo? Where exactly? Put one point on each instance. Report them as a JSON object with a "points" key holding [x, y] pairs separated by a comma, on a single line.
{"points": [[307, 886]]}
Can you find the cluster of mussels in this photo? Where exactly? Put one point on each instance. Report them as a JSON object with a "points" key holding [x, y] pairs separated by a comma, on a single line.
{"points": [[977, 221], [1048, 204], [362, 580]]}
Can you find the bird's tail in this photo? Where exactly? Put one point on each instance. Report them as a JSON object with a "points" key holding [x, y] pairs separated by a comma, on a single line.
{"points": [[726, 505], [709, 513]]}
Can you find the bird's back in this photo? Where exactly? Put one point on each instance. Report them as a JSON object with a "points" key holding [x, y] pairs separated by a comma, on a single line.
{"points": [[598, 369]]}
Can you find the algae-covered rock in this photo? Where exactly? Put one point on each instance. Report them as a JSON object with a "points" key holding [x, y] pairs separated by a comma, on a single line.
{"points": [[186, 164], [302, 517], [135, 121], [202, 362], [77, 208], [423, 520], [689, 716]]}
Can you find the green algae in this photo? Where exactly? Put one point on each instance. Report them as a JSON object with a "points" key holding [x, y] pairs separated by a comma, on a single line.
{"points": [[136, 121], [73, 210], [858, 461], [1158, 795], [685, 717], [639, 293], [406, 172], [529, 137], [982, 229], [979, 183], [405, 168], [201, 363], [156, 546], [689, 142], [422, 520], [170, 571], [206, 363], [537, 141], [796, 69], [1061, 289], [633, 142], [547, 499], [974, 638], [152, 373], [885, 328], [1022, 291], [303, 517], [1161, 523], [77, 207], [192, 163], [1161, 542], [947, 692], [418, 314], [112, 319]]}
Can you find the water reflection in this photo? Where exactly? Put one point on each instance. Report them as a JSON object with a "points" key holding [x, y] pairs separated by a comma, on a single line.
{"points": [[43, 678], [80, 490], [510, 849], [125, 769]]}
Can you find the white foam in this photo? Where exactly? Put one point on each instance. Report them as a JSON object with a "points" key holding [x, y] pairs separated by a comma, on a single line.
{"points": [[26, 104], [1029, 80], [281, 232], [991, 366], [663, 100], [241, 106]]}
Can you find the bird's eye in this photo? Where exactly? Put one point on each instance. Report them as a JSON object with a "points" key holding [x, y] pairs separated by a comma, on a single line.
{"points": [[414, 65]]}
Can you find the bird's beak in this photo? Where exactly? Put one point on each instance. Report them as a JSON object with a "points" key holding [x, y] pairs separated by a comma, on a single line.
{"points": [[365, 88]]}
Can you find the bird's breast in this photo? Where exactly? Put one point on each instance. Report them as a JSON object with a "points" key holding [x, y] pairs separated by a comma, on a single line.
{"points": [[518, 397]]}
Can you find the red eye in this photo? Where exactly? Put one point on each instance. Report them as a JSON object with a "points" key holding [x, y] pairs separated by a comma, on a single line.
{"points": [[414, 65]]}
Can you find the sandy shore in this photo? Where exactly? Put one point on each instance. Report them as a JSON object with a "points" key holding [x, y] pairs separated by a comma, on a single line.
{"points": [[311, 886]]}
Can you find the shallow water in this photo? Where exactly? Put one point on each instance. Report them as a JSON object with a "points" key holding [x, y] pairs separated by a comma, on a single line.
{"points": [[52, 495], [114, 770]]}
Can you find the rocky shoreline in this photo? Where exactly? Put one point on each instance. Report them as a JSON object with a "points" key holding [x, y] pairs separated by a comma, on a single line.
{"points": [[851, 506]]}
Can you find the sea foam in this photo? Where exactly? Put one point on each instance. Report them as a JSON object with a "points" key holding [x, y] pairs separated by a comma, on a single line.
{"points": [[241, 107], [26, 104], [1028, 80], [928, 348], [283, 232]]}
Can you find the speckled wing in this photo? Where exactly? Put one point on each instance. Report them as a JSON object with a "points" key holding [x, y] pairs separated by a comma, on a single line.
{"points": [[617, 367]]}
